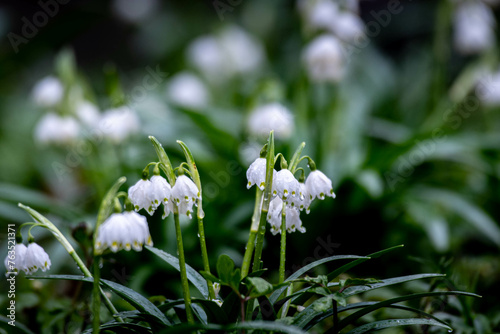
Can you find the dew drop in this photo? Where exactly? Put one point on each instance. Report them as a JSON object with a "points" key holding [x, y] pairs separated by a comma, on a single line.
{"points": [[198, 235]]}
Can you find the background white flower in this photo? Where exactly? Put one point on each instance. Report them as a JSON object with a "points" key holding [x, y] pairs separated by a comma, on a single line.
{"points": [[319, 185], [187, 90], [272, 116], [48, 92], [52, 128], [324, 59]]}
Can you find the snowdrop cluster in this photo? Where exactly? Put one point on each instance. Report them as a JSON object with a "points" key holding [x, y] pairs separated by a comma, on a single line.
{"points": [[187, 90], [150, 194], [271, 116], [127, 230], [338, 23], [289, 194], [28, 259], [474, 26]]}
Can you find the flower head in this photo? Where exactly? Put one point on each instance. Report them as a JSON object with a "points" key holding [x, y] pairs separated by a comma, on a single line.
{"points": [[14, 262], [140, 194], [187, 90], [318, 185], [117, 124], [285, 184], [272, 116], [48, 92], [36, 258], [160, 190], [256, 174], [324, 59], [474, 25], [184, 194], [302, 201], [126, 230], [292, 217], [53, 128]]}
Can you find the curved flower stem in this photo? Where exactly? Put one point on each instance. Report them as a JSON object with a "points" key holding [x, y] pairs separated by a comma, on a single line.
{"points": [[182, 267], [204, 256], [254, 228], [71, 251], [283, 245]]}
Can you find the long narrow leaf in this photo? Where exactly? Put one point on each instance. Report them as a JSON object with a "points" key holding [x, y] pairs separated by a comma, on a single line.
{"points": [[19, 328], [378, 325], [193, 276]]}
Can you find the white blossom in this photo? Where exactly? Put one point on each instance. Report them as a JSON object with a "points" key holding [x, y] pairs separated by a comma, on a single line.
{"points": [[292, 217], [118, 123], [16, 259], [324, 59], [285, 184], [318, 185], [127, 230], [88, 113], [36, 258], [160, 190], [256, 174], [301, 202], [187, 90], [347, 26], [52, 128], [474, 25], [184, 194], [271, 116], [488, 88], [48, 92], [140, 194], [134, 11]]}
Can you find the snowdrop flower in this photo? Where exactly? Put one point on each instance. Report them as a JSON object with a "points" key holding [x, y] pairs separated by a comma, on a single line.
{"points": [[117, 124], [323, 59], [488, 89], [184, 194], [160, 190], [256, 174], [318, 185], [301, 202], [127, 230], [48, 92], [187, 90], [474, 27], [272, 116], [140, 194], [322, 14], [285, 184], [35, 259], [206, 56], [53, 128], [292, 218], [88, 113], [17, 260], [347, 26]]}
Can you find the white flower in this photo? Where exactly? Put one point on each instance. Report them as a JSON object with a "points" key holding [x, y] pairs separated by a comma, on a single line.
{"points": [[187, 90], [35, 259], [256, 174], [324, 60], [140, 194], [160, 190], [318, 185], [53, 128], [133, 11], [272, 116], [206, 56], [488, 88], [126, 230], [292, 217], [347, 26], [322, 14], [88, 113], [285, 184], [184, 194], [48, 92], [301, 202], [474, 25], [16, 259], [117, 124]]}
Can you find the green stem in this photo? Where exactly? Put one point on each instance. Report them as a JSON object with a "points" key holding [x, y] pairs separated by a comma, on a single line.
{"points": [[182, 267], [283, 245], [204, 255], [254, 228], [96, 297], [260, 240]]}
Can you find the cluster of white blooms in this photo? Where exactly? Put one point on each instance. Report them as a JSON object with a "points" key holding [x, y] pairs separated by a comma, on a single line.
{"points": [[474, 27], [338, 23], [296, 196], [271, 116], [29, 259], [53, 128], [127, 230], [118, 123], [148, 195], [230, 53], [187, 90]]}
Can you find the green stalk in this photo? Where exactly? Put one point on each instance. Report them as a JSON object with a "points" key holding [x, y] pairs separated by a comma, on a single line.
{"points": [[265, 202], [182, 267], [254, 228], [96, 297], [283, 245]]}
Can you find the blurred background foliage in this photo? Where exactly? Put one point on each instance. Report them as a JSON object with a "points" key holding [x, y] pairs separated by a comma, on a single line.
{"points": [[412, 152]]}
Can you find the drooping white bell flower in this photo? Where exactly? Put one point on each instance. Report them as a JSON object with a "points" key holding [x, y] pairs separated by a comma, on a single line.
{"points": [[127, 230], [88, 113], [321, 14], [292, 217], [119, 123], [301, 202], [48, 92], [319, 185], [141, 196], [271, 116], [474, 27], [15, 261], [184, 194], [285, 184], [488, 88], [52, 128], [36, 258], [256, 174], [160, 190], [347, 26], [324, 59], [187, 90], [205, 54]]}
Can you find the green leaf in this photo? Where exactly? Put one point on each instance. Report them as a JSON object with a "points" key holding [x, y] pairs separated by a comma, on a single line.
{"points": [[193, 276], [209, 276], [358, 281], [267, 326], [378, 325], [225, 268], [107, 203], [258, 286], [135, 299], [274, 297], [19, 328], [120, 327]]}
